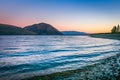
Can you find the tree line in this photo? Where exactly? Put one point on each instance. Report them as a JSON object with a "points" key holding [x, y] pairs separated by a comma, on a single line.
{"points": [[115, 29]]}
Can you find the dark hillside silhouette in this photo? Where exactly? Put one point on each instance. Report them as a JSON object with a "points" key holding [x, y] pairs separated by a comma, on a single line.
{"points": [[43, 29], [13, 30], [73, 33]]}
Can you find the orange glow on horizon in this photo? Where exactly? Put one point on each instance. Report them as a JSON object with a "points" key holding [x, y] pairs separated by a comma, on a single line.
{"points": [[65, 27]]}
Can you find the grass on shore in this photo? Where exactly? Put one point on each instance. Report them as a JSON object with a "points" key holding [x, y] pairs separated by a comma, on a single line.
{"points": [[107, 36]]}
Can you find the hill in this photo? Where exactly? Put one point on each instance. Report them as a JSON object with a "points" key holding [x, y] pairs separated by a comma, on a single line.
{"points": [[43, 29], [73, 33], [13, 30]]}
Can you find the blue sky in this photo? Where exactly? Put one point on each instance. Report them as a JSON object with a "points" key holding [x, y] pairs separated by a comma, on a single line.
{"points": [[92, 16]]}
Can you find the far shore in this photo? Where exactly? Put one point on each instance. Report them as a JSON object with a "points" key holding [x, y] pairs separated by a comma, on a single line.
{"points": [[107, 36]]}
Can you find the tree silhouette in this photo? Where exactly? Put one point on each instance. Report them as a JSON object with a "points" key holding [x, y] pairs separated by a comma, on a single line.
{"points": [[114, 29], [118, 28]]}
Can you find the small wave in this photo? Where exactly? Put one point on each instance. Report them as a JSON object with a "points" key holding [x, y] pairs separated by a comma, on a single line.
{"points": [[62, 50], [10, 48]]}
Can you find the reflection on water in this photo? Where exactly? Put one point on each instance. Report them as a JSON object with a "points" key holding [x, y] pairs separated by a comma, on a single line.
{"points": [[24, 56]]}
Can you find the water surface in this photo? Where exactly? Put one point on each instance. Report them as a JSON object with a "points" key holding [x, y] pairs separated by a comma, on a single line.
{"points": [[25, 56]]}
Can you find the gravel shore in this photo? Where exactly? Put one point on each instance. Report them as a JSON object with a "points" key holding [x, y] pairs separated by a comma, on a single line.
{"points": [[106, 69]]}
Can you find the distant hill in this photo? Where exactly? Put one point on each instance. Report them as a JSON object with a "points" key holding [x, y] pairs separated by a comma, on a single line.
{"points": [[73, 33], [35, 29], [13, 30], [43, 29]]}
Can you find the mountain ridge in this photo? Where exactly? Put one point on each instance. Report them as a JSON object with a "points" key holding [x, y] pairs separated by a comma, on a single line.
{"points": [[6, 29], [43, 29], [74, 33], [35, 29]]}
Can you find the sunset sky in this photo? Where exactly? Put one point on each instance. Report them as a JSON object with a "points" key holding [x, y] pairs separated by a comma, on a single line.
{"points": [[91, 16]]}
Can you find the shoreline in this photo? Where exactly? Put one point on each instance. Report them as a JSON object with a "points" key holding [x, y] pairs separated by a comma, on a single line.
{"points": [[106, 36], [106, 69]]}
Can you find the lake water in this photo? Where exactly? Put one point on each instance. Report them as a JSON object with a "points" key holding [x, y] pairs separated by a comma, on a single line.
{"points": [[25, 56]]}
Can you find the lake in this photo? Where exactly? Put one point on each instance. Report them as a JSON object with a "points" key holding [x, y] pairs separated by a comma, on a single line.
{"points": [[25, 56]]}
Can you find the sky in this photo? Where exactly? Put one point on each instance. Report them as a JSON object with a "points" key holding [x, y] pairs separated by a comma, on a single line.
{"points": [[91, 16]]}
